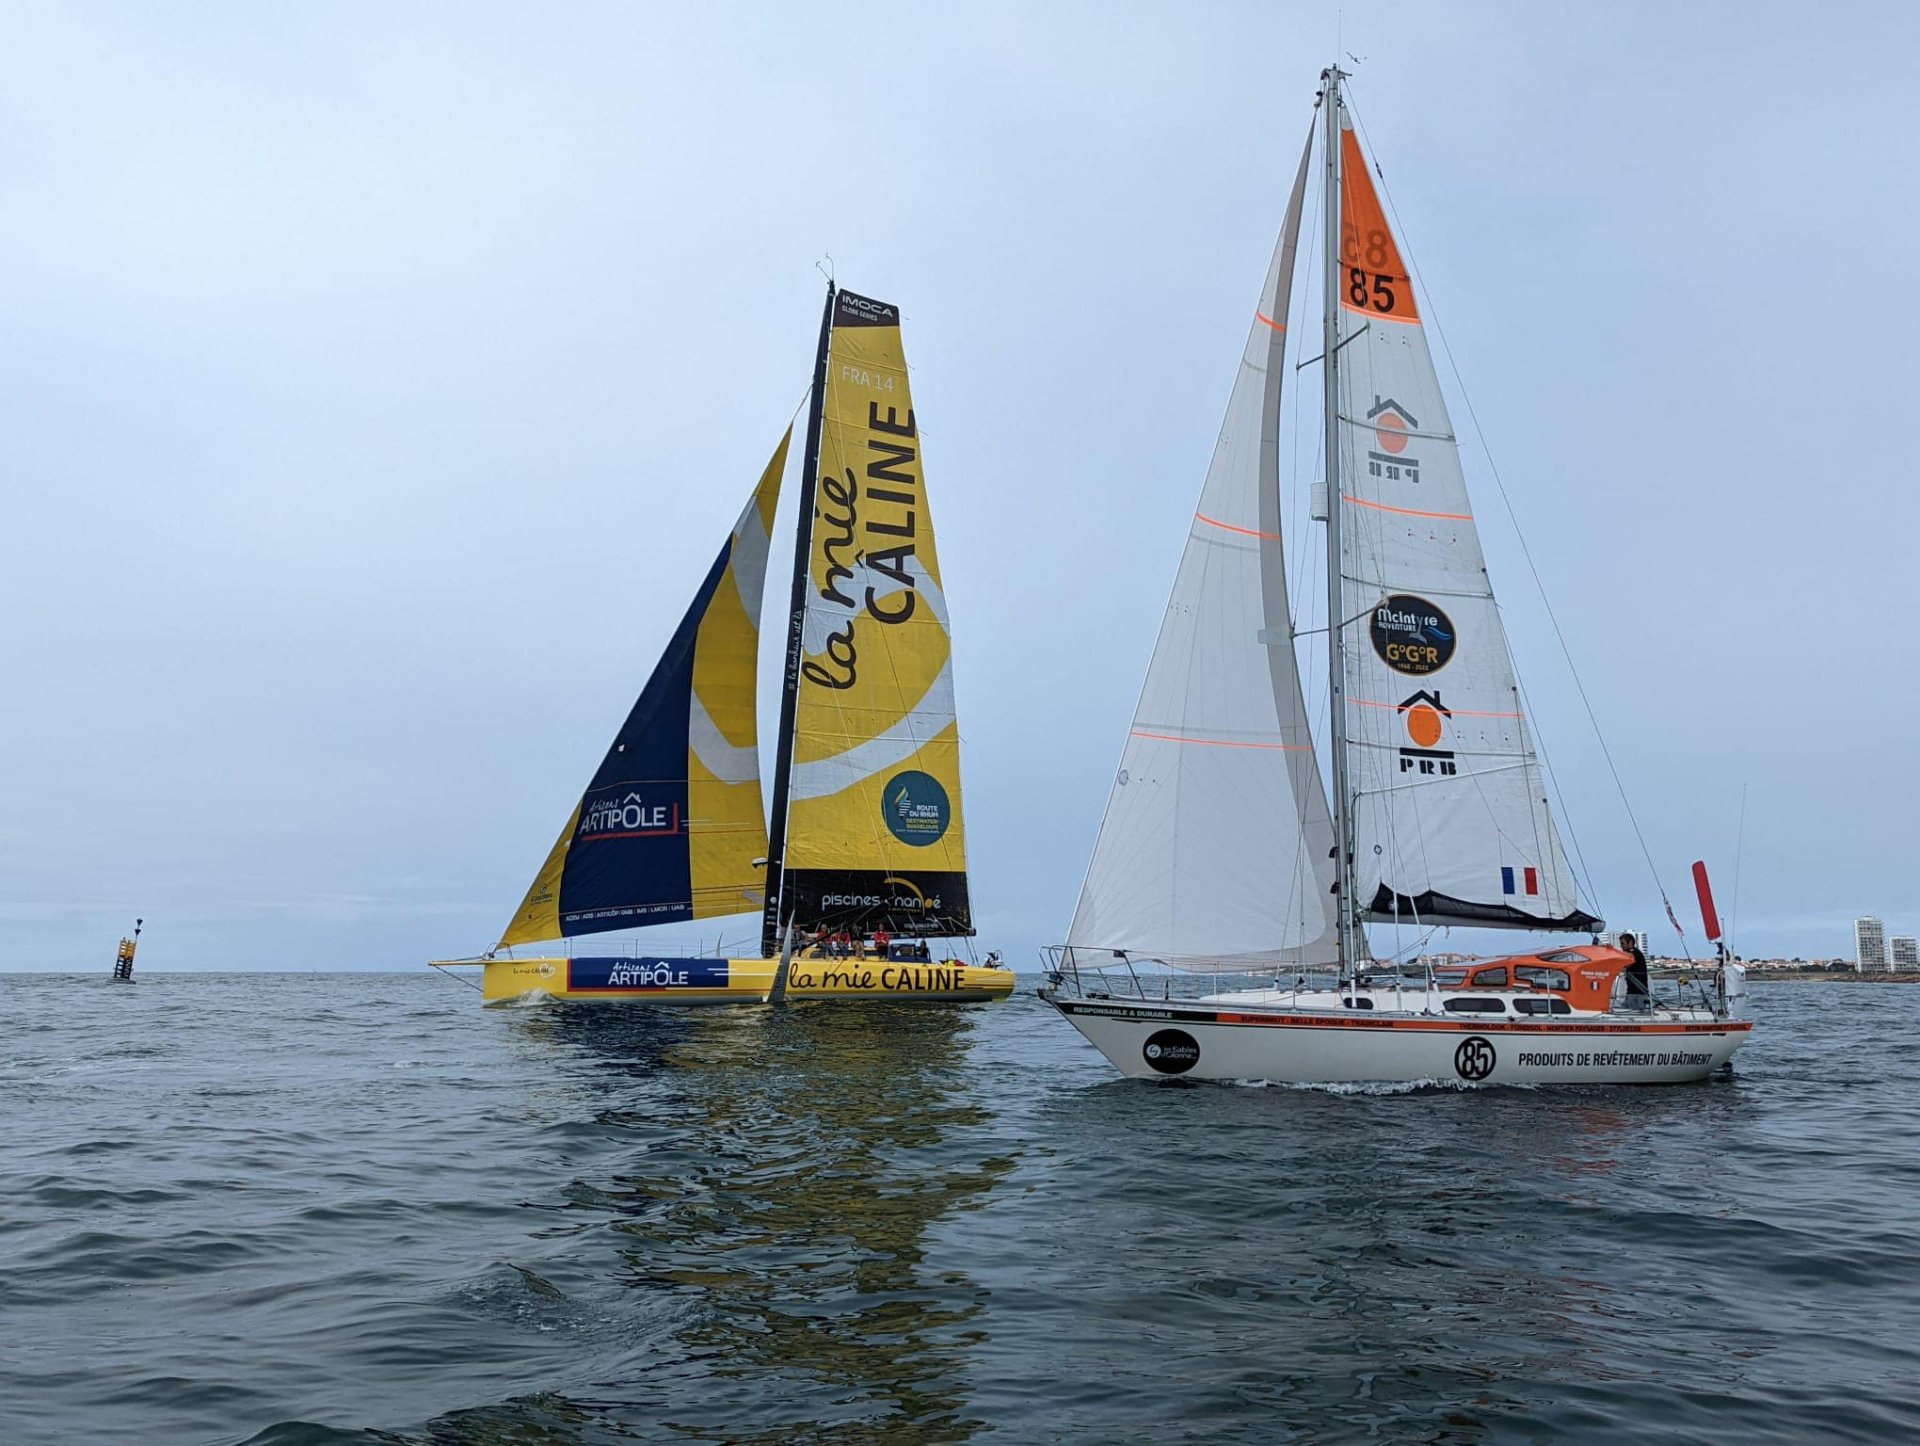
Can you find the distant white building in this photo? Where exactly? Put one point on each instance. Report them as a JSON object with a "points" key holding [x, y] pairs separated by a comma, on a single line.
{"points": [[1905, 950], [1869, 943]]}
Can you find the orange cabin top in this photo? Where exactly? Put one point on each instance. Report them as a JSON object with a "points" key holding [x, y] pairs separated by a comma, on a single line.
{"points": [[1582, 975]]}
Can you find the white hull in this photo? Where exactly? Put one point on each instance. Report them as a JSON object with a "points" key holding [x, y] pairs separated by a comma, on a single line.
{"points": [[1200, 1041]]}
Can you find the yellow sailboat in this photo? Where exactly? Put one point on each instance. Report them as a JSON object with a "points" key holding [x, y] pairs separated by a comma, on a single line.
{"points": [[863, 866]]}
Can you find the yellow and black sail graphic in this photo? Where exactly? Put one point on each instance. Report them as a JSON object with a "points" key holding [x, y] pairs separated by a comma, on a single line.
{"points": [[670, 827], [874, 832]]}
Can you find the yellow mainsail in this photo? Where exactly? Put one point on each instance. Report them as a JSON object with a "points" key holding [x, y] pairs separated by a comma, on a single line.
{"points": [[874, 832]]}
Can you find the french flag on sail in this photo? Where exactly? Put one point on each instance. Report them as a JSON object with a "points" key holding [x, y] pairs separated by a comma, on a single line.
{"points": [[1530, 878]]}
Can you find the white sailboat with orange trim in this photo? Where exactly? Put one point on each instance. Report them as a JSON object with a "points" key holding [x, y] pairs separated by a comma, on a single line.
{"points": [[1220, 850]]}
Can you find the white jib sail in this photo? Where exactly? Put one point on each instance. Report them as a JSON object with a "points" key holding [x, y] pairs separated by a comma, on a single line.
{"points": [[1451, 820], [1217, 845]]}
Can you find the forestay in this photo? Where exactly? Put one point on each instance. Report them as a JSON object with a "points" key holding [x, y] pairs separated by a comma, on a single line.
{"points": [[1451, 824], [1217, 844]]}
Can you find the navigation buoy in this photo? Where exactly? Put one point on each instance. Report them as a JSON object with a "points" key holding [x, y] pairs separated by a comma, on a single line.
{"points": [[123, 960]]}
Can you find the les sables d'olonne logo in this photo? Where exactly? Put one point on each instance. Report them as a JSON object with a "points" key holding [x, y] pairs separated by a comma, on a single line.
{"points": [[1171, 1051], [916, 808]]}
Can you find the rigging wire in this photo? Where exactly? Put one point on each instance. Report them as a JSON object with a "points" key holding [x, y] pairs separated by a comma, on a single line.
{"points": [[1526, 552], [458, 979]]}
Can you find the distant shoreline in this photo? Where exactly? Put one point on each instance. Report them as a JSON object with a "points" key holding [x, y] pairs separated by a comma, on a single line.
{"points": [[1760, 975]]}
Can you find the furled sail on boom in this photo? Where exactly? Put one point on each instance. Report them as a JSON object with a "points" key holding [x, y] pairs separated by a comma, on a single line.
{"points": [[670, 828], [1451, 824]]}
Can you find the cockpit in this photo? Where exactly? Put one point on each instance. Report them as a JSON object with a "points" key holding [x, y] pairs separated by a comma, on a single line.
{"points": [[1557, 982]]}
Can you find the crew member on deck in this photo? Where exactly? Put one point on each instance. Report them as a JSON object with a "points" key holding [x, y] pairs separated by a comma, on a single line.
{"points": [[1639, 987]]}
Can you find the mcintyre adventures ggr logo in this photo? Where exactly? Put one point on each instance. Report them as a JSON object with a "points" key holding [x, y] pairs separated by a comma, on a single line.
{"points": [[1171, 1051], [1411, 635], [915, 808]]}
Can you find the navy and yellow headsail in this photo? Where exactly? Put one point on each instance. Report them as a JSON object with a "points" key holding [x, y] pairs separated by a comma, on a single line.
{"points": [[671, 826]]}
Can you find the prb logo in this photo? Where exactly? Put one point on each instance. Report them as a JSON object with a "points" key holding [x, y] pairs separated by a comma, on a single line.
{"points": [[1474, 1060], [1424, 717], [1391, 424], [1171, 1051]]}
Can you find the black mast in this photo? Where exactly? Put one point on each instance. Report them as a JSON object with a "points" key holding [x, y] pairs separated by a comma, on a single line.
{"points": [[771, 919]]}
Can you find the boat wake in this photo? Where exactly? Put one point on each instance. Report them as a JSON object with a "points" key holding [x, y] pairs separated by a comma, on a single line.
{"points": [[1376, 1087]]}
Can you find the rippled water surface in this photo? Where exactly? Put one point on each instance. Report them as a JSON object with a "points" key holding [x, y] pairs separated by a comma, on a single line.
{"points": [[336, 1208]]}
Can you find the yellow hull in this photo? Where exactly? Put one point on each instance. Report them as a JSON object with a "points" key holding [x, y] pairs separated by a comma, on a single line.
{"points": [[948, 982], [680, 982]]}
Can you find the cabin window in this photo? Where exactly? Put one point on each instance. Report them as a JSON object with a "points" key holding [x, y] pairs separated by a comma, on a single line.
{"points": [[1449, 978], [1491, 978], [1543, 978], [1357, 1002], [1565, 956], [1543, 1006], [1474, 1004]]}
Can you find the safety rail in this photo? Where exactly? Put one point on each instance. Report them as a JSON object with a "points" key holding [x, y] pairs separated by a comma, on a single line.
{"points": [[1147, 980], [1151, 979]]}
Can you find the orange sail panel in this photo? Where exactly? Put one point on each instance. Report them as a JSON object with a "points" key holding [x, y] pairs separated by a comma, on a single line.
{"points": [[1376, 279]]}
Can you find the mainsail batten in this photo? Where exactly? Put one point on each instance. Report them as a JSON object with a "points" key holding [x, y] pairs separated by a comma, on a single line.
{"points": [[872, 835], [670, 827], [1450, 818], [1217, 843]]}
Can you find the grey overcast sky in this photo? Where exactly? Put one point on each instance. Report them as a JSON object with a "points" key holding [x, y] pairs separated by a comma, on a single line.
{"points": [[376, 382]]}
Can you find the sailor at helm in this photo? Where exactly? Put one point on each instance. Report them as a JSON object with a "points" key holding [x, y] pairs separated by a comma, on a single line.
{"points": [[1639, 987]]}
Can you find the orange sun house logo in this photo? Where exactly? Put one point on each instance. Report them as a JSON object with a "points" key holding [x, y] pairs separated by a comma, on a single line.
{"points": [[1424, 719], [1392, 424]]}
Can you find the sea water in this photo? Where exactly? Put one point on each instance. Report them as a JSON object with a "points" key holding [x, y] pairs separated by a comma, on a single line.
{"points": [[356, 1207]]}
